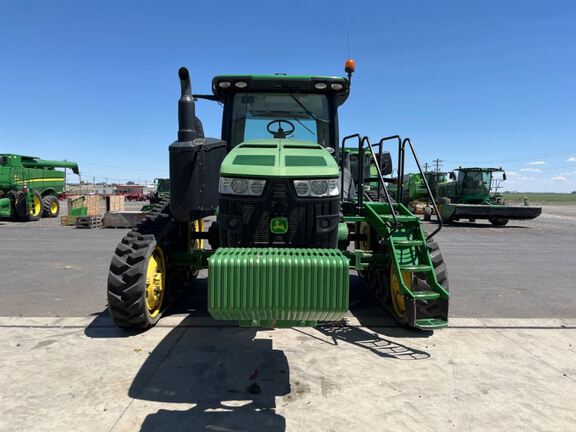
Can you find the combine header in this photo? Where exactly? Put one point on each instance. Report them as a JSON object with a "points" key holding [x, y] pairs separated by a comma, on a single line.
{"points": [[289, 198]]}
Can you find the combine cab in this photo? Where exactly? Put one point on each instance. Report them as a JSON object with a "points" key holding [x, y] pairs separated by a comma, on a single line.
{"points": [[288, 199], [473, 195]]}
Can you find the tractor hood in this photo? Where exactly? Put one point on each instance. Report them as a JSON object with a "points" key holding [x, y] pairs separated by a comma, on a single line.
{"points": [[279, 158]]}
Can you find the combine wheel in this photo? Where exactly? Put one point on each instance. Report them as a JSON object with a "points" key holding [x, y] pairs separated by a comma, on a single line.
{"points": [[28, 213], [50, 206], [498, 221]]}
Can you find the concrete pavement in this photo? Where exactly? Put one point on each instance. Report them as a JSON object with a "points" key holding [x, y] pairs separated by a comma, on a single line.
{"points": [[191, 374]]}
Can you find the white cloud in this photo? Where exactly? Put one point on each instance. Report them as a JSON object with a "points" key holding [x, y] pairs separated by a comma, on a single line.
{"points": [[559, 178], [536, 163], [571, 159], [531, 169]]}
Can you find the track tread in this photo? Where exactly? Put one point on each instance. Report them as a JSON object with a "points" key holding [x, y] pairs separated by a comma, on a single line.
{"points": [[127, 274]]}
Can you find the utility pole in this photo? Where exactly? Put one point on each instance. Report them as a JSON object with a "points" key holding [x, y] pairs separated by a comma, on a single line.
{"points": [[437, 162], [426, 165]]}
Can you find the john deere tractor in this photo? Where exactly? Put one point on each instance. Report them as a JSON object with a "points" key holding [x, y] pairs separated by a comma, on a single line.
{"points": [[473, 194], [291, 215], [415, 193]]}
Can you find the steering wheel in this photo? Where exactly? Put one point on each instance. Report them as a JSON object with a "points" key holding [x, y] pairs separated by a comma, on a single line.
{"points": [[280, 133]]}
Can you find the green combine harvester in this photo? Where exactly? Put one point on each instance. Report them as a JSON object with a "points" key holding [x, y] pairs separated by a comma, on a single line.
{"points": [[473, 194], [287, 206], [29, 186]]}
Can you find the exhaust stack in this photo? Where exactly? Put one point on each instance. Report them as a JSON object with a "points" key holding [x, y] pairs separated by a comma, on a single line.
{"points": [[186, 109], [194, 162]]}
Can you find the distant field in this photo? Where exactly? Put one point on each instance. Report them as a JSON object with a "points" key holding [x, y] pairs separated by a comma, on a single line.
{"points": [[556, 198]]}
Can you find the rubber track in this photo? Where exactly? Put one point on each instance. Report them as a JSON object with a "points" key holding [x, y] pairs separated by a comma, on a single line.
{"points": [[126, 299]]}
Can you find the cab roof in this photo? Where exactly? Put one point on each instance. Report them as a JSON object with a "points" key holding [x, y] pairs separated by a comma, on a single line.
{"points": [[479, 169], [281, 83]]}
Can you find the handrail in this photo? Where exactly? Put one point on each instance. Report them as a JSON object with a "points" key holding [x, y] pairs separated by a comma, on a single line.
{"points": [[439, 218], [381, 143], [381, 178]]}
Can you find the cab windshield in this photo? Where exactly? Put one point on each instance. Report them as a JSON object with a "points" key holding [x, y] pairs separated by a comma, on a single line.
{"points": [[474, 182], [281, 115]]}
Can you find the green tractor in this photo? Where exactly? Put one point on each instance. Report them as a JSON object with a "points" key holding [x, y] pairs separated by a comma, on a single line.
{"points": [[415, 193], [162, 190], [29, 186], [473, 194], [287, 204]]}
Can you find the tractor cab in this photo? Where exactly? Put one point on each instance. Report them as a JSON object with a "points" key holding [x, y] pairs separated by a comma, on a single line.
{"points": [[474, 185], [283, 107]]}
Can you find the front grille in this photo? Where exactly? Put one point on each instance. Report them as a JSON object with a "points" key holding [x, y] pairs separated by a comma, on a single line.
{"points": [[278, 200]]}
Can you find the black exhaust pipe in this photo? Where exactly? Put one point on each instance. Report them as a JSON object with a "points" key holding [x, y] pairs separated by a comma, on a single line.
{"points": [[186, 109], [194, 162]]}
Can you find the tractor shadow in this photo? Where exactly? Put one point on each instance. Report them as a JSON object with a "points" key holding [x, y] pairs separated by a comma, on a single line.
{"points": [[231, 377], [213, 377]]}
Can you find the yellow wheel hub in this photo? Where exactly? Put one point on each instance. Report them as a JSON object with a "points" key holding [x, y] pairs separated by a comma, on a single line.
{"points": [[398, 302], [37, 207], [198, 226], [155, 282], [54, 207]]}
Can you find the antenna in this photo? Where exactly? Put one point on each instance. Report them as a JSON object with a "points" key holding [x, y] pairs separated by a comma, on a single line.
{"points": [[348, 39]]}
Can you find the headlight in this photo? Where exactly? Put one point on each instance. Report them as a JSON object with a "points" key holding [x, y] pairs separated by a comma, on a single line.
{"points": [[317, 188], [241, 186]]}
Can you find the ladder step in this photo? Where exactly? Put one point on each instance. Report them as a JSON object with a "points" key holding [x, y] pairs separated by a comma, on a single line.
{"points": [[430, 323], [415, 268], [400, 218], [407, 243], [425, 295]]}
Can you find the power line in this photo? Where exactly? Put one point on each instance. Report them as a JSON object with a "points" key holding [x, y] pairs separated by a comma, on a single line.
{"points": [[438, 164]]}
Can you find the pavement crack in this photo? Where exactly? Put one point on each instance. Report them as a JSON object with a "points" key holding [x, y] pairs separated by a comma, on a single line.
{"points": [[560, 371]]}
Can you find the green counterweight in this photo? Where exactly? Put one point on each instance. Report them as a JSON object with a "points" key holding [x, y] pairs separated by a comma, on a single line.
{"points": [[278, 286]]}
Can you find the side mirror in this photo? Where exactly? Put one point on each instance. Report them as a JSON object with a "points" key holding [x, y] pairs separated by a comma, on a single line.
{"points": [[503, 176], [386, 163], [451, 175]]}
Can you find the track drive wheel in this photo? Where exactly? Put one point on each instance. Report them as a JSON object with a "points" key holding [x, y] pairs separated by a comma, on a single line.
{"points": [[139, 282], [50, 206]]}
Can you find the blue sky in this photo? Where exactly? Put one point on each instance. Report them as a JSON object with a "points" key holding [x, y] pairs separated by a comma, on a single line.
{"points": [[472, 83]]}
